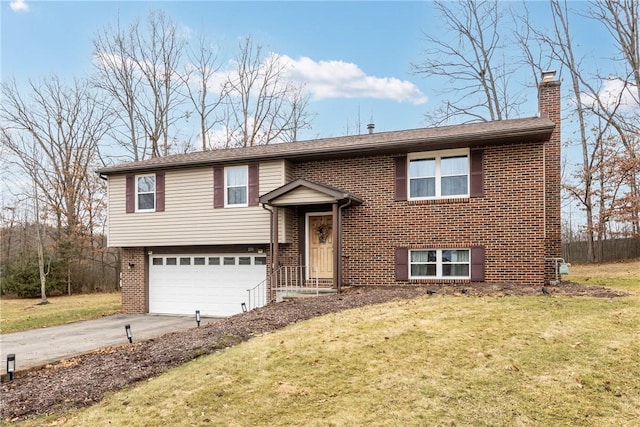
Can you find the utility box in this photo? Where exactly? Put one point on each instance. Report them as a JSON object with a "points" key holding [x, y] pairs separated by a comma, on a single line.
{"points": [[564, 268]]}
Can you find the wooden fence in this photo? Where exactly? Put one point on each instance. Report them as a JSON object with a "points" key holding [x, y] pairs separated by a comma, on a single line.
{"points": [[605, 251]]}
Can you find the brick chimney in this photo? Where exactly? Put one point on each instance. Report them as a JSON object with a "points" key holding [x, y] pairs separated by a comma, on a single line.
{"points": [[549, 107]]}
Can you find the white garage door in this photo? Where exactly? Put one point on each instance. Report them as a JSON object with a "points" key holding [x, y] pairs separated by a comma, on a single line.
{"points": [[214, 284]]}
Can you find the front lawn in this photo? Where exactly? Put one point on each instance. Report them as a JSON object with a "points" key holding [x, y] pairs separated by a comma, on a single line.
{"points": [[435, 360], [21, 314]]}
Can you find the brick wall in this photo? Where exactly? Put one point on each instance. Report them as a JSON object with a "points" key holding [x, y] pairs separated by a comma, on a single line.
{"points": [[134, 298], [508, 221]]}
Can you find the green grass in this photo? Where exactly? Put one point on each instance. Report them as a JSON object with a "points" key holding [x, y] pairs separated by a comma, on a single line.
{"points": [[445, 360], [22, 314]]}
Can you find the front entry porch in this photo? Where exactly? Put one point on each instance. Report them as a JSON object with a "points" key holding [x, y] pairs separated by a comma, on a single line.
{"points": [[313, 263]]}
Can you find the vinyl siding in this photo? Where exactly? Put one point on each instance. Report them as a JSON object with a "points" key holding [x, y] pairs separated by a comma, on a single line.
{"points": [[303, 196], [189, 217]]}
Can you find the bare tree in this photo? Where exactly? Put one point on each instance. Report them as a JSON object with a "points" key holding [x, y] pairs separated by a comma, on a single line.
{"points": [[139, 69], [53, 135], [622, 109], [476, 72], [205, 93], [263, 104]]}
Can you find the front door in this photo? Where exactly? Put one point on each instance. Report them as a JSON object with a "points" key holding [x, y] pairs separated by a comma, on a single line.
{"points": [[320, 245]]}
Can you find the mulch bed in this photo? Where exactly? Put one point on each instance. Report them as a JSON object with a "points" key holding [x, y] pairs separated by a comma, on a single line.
{"points": [[83, 381]]}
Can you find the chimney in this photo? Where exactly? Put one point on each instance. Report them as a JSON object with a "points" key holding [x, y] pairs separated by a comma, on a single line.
{"points": [[371, 127], [549, 107]]}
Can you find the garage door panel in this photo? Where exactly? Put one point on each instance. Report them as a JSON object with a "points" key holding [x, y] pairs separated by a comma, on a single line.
{"points": [[215, 290]]}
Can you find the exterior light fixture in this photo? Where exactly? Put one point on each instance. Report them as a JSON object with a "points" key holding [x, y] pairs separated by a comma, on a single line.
{"points": [[127, 329], [11, 365], [198, 317], [244, 307], [131, 265]]}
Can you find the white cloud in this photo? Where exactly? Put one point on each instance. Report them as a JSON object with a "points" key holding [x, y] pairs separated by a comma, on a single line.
{"points": [[339, 79], [19, 6], [614, 93]]}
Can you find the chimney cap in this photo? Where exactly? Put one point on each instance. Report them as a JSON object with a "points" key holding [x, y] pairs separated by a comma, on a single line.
{"points": [[548, 76], [371, 127]]}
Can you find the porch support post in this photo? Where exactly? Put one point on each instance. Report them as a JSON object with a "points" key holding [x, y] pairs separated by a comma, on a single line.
{"points": [[337, 280]]}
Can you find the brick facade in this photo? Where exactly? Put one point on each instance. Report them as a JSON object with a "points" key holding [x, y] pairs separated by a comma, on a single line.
{"points": [[134, 280], [508, 221]]}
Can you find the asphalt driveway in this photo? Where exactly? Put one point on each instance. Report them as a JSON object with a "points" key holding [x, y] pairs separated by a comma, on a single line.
{"points": [[38, 347]]}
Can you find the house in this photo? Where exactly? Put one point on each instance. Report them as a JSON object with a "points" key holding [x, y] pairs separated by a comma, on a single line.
{"points": [[468, 203]]}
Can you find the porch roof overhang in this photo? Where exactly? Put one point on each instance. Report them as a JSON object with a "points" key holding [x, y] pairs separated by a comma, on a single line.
{"points": [[303, 192]]}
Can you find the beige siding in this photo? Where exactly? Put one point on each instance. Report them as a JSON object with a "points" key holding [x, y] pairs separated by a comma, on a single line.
{"points": [[189, 217], [303, 195]]}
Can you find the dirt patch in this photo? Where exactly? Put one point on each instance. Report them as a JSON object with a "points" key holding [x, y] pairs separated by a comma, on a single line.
{"points": [[83, 380]]}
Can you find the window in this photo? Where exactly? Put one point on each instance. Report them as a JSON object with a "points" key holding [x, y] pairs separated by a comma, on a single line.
{"points": [[236, 186], [185, 261], [229, 260], [244, 260], [439, 174], [145, 193], [172, 261], [214, 260], [157, 261], [260, 260], [439, 263], [198, 261]]}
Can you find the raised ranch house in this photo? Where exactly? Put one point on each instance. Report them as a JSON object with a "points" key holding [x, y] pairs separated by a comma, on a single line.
{"points": [[225, 230]]}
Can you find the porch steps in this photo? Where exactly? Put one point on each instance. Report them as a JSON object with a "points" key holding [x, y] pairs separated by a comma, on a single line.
{"points": [[290, 294]]}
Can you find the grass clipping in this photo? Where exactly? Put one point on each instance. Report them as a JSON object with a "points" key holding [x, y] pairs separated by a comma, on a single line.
{"points": [[428, 361]]}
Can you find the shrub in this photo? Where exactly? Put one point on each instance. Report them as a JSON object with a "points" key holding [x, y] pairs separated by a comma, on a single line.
{"points": [[20, 277]]}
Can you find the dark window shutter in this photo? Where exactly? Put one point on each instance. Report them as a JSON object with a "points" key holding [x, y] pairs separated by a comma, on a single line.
{"points": [[401, 178], [254, 185], [402, 264], [477, 179], [160, 192], [130, 198], [477, 264], [218, 187]]}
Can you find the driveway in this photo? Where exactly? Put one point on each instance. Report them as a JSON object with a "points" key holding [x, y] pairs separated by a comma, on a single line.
{"points": [[38, 347]]}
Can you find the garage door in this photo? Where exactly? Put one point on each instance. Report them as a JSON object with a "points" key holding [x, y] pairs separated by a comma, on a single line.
{"points": [[215, 284]]}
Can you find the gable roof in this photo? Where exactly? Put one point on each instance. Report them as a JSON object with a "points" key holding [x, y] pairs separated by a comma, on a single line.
{"points": [[534, 129], [332, 193]]}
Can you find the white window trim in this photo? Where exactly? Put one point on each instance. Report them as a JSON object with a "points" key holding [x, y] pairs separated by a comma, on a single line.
{"points": [[226, 193], [438, 155], [439, 264], [135, 183]]}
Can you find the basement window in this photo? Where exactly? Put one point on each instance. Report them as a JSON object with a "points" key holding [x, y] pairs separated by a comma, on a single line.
{"points": [[439, 263]]}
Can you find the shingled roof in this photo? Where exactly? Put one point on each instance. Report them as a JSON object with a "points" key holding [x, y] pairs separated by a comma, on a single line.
{"points": [[534, 129]]}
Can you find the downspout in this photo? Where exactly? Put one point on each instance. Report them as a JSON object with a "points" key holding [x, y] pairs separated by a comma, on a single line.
{"points": [[339, 244], [270, 275]]}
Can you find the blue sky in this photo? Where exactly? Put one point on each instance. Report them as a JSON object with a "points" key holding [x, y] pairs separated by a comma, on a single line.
{"points": [[366, 48]]}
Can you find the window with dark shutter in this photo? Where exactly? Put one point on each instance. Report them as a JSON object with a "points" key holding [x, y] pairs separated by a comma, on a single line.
{"points": [[477, 264], [402, 264], [160, 192], [218, 187], [477, 175], [130, 197], [254, 185], [401, 178]]}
